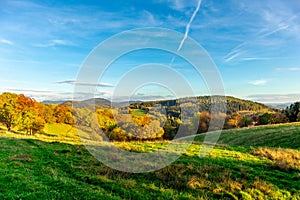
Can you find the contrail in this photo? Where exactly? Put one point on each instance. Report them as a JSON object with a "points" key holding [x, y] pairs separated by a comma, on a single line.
{"points": [[188, 26], [187, 30]]}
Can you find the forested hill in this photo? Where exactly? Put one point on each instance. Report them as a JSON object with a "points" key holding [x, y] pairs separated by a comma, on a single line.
{"points": [[235, 105], [99, 102], [204, 102]]}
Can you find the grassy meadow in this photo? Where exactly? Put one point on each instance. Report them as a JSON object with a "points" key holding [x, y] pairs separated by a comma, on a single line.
{"points": [[250, 163]]}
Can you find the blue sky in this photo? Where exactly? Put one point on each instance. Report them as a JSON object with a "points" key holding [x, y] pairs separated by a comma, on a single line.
{"points": [[254, 44]]}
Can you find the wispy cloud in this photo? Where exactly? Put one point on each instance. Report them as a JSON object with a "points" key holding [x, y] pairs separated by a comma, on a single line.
{"points": [[39, 95], [55, 42], [48, 26], [4, 41], [20, 61], [280, 19], [280, 27], [138, 98], [277, 24], [53, 95], [258, 82], [150, 18], [232, 55], [74, 82], [181, 5], [25, 90], [275, 98], [288, 69], [255, 58], [13, 81]]}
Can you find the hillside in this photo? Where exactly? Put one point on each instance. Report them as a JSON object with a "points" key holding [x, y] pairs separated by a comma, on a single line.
{"points": [[50, 102], [89, 102], [233, 104], [140, 120], [33, 169], [275, 136]]}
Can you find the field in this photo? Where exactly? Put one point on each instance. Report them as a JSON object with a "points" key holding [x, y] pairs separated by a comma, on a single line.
{"points": [[251, 163], [138, 112]]}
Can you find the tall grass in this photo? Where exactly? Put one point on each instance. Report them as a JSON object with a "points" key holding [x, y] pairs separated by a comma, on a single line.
{"points": [[284, 159]]}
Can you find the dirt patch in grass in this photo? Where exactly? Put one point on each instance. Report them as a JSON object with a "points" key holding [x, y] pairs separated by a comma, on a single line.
{"points": [[22, 158]]}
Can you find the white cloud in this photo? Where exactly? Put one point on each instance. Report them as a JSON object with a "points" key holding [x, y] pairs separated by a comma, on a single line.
{"points": [[288, 69], [150, 18], [275, 98], [39, 95], [53, 95], [180, 5], [258, 82], [280, 19], [4, 41], [25, 90], [74, 82], [56, 42], [278, 23], [232, 55], [61, 42]]}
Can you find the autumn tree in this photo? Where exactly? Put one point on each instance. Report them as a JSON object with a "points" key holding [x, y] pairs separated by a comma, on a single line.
{"points": [[279, 117], [63, 114], [234, 121], [127, 127], [7, 109], [119, 134], [142, 120], [29, 114], [106, 119], [204, 121], [47, 112]]}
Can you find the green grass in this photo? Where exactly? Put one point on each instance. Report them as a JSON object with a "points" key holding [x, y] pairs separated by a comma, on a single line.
{"points": [[61, 133], [58, 168], [280, 135], [139, 112], [52, 133]]}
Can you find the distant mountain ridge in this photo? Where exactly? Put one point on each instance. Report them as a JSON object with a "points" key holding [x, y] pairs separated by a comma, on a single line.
{"points": [[279, 105], [233, 104], [48, 102]]}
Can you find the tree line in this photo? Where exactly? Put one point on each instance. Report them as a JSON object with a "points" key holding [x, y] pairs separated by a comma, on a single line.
{"points": [[26, 114], [23, 113]]}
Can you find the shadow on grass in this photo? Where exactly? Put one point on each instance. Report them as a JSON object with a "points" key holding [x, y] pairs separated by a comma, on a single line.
{"points": [[70, 171]]}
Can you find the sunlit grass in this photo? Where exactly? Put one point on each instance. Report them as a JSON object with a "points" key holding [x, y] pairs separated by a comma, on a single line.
{"points": [[279, 135], [52, 133], [54, 165], [284, 159], [138, 112]]}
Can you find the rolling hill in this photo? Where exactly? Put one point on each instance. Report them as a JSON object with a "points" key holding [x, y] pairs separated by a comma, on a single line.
{"points": [[233, 104], [250, 163]]}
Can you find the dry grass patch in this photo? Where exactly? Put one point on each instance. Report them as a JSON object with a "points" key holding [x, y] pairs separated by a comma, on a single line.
{"points": [[284, 159]]}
